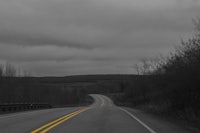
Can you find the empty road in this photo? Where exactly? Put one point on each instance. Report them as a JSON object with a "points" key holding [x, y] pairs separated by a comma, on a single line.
{"points": [[101, 117]]}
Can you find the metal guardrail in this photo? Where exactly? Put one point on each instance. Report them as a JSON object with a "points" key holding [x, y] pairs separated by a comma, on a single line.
{"points": [[23, 106]]}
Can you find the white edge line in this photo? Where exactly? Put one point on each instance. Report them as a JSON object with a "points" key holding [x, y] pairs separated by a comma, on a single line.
{"points": [[138, 120]]}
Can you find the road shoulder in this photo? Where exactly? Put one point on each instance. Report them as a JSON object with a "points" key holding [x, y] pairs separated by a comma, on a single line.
{"points": [[160, 125]]}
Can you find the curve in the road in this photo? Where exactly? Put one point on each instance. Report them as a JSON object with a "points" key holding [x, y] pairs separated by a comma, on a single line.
{"points": [[100, 117], [101, 101]]}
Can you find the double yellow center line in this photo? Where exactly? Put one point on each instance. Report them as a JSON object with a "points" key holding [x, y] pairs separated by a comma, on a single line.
{"points": [[45, 128]]}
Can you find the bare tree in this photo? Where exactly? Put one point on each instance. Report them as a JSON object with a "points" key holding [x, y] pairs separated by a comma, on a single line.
{"points": [[143, 66], [137, 68], [1, 70], [10, 70], [150, 65], [19, 73], [197, 25]]}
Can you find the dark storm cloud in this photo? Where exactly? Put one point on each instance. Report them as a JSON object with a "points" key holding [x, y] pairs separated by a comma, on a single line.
{"points": [[38, 40], [89, 36]]}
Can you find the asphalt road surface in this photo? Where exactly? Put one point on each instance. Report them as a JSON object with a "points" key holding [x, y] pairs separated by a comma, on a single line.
{"points": [[101, 117]]}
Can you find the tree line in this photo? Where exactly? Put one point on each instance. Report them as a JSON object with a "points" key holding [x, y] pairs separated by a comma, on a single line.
{"points": [[34, 90], [168, 85], [9, 70]]}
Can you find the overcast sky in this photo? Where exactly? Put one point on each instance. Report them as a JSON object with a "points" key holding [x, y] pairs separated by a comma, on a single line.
{"points": [[69, 37]]}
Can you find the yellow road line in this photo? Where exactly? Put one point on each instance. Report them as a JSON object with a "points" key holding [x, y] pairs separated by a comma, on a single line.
{"points": [[46, 125], [54, 125], [49, 126]]}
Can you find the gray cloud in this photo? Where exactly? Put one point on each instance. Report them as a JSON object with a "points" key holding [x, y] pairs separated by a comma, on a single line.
{"points": [[38, 40], [90, 36]]}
